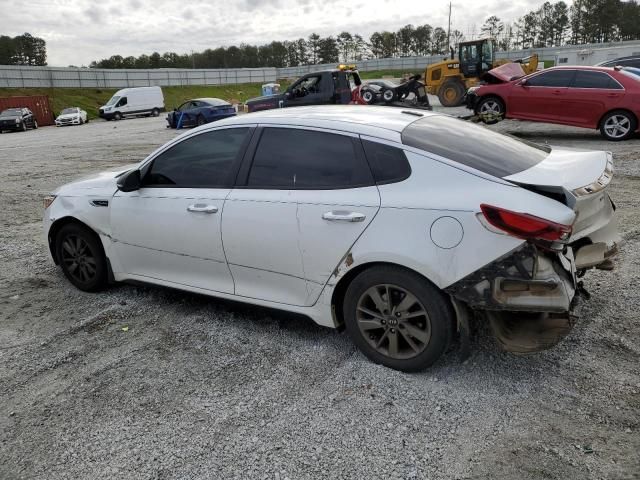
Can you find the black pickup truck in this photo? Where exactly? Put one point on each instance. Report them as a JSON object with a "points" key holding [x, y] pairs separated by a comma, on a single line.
{"points": [[318, 88], [342, 86]]}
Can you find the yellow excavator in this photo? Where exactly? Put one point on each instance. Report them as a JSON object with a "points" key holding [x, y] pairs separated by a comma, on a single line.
{"points": [[451, 78]]}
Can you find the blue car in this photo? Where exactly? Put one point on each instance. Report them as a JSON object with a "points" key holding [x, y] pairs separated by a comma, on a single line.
{"points": [[199, 111]]}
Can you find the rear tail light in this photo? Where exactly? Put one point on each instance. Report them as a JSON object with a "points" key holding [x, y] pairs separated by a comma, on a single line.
{"points": [[523, 225]]}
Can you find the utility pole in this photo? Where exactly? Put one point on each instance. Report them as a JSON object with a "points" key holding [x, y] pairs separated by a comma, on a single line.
{"points": [[449, 28]]}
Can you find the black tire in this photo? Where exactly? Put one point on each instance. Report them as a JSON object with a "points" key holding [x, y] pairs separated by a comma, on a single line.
{"points": [[618, 125], [491, 110], [23, 127], [155, 112], [117, 116], [35, 124], [80, 254], [87, 121], [420, 338], [200, 120], [81, 121], [388, 95], [451, 93], [368, 96]]}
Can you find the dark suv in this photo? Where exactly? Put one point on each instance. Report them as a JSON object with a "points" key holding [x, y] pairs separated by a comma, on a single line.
{"points": [[17, 119]]}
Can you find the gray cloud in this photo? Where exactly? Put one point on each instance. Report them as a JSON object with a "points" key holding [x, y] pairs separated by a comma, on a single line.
{"points": [[81, 31]]}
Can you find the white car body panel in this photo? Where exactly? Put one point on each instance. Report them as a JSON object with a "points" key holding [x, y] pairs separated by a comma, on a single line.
{"points": [[154, 235], [274, 248]]}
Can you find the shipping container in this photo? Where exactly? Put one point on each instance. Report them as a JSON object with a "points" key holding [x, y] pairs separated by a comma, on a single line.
{"points": [[39, 105]]}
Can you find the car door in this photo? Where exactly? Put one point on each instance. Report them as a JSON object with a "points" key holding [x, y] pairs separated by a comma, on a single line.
{"points": [[169, 229], [590, 96], [540, 96], [303, 199]]}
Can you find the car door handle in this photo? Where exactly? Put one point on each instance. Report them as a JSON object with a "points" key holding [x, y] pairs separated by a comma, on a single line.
{"points": [[202, 208], [557, 92], [613, 95], [342, 216]]}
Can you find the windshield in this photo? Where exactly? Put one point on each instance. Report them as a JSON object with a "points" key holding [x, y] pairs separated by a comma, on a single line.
{"points": [[113, 101], [473, 145], [11, 112], [68, 111]]}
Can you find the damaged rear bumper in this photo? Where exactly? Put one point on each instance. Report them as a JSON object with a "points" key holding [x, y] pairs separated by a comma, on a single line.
{"points": [[528, 295], [523, 280]]}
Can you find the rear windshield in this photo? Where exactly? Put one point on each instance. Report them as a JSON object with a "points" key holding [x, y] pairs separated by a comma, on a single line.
{"points": [[472, 145]]}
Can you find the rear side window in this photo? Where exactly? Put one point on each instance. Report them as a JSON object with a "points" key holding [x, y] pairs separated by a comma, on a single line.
{"points": [[473, 145], [590, 79], [288, 158], [388, 164], [554, 78], [203, 160]]}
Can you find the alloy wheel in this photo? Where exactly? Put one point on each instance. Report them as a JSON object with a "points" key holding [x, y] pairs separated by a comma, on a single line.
{"points": [[393, 321], [78, 258], [617, 126], [491, 107]]}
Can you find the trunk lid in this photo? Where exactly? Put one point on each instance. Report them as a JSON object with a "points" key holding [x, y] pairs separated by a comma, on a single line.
{"points": [[579, 179]]}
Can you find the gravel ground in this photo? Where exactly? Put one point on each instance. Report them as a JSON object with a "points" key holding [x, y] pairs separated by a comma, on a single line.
{"points": [[198, 388]]}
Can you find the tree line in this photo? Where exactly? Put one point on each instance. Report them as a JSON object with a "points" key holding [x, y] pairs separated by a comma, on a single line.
{"points": [[24, 49], [552, 24]]}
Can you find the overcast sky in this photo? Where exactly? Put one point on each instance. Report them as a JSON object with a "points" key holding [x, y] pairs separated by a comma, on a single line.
{"points": [[79, 31]]}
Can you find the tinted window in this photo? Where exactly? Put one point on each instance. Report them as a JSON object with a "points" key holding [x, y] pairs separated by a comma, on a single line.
{"points": [[589, 79], [473, 145], [388, 164], [555, 78], [204, 160], [290, 158]]}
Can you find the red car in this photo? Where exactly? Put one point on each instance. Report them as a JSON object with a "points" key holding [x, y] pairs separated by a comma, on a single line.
{"points": [[591, 97]]}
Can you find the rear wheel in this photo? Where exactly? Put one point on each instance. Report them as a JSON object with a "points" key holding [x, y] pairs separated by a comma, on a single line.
{"points": [[388, 95], [397, 318], [618, 125], [155, 112], [200, 120], [490, 110], [81, 257], [451, 93]]}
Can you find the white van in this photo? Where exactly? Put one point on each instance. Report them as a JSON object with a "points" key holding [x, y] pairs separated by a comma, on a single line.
{"points": [[133, 102]]}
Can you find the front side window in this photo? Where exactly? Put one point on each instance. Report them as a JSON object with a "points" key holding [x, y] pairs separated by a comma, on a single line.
{"points": [[288, 158], [122, 102], [204, 160], [555, 78], [591, 79], [472, 145]]}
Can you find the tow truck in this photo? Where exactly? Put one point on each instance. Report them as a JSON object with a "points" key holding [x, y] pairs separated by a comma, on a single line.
{"points": [[342, 86]]}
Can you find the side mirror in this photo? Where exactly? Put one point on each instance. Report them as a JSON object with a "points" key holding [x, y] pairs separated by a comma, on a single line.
{"points": [[523, 82], [130, 181]]}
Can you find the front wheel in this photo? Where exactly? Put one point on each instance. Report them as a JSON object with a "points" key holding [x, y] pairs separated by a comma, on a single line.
{"points": [[117, 116], [35, 124], [389, 95], [24, 126], [490, 110], [367, 96], [397, 318], [81, 257], [618, 125]]}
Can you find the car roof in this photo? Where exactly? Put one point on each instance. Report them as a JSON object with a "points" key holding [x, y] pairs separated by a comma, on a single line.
{"points": [[211, 100], [383, 122]]}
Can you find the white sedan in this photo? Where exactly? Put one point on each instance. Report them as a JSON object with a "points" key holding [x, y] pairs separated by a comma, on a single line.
{"points": [[394, 224], [72, 116]]}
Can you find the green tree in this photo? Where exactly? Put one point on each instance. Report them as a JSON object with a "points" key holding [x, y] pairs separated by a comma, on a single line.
{"points": [[313, 44]]}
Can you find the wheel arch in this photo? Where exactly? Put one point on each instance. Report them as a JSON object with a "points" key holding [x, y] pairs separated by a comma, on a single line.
{"points": [[340, 289], [57, 226]]}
